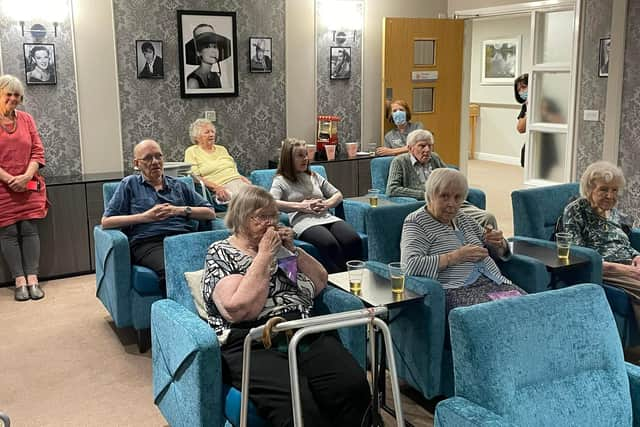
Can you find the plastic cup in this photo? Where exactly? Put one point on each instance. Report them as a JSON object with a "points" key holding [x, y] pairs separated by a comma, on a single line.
{"points": [[373, 195], [331, 151], [563, 244], [397, 272], [311, 152], [352, 148], [356, 270]]}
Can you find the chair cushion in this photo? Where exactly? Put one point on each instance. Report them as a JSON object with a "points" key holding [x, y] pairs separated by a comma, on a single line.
{"points": [[144, 280], [194, 280], [232, 399]]}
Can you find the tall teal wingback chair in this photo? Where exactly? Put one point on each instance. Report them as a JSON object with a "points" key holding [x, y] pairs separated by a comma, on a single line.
{"points": [[187, 375], [380, 175], [351, 212], [535, 212], [549, 359], [422, 358], [128, 290]]}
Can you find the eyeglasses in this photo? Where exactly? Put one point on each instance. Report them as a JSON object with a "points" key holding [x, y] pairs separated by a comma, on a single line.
{"points": [[151, 157], [265, 219]]}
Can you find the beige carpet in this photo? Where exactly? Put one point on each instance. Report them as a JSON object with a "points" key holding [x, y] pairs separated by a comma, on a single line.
{"points": [[63, 364]]}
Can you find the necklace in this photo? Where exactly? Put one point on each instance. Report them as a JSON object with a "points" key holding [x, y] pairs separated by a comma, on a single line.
{"points": [[13, 126]]}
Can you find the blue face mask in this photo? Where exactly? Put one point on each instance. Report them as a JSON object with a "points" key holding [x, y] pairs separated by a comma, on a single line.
{"points": [[399, 117], [523, 95]]}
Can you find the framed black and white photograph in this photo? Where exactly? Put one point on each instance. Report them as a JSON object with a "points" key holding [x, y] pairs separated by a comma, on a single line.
{"points": [[40, 63], [207, 46], [500, 61], [340, 63], [149, 59], [603, 58], [260, 51]]}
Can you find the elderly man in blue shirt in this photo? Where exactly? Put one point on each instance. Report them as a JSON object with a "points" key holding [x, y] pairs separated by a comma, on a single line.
{"points": [[151, 206]]}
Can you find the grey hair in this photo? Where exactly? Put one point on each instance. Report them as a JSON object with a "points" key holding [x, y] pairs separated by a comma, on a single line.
{"points": [[194, 128], [244, 204], [9, 83], [442, 179], [419, 135], [600, 171]]}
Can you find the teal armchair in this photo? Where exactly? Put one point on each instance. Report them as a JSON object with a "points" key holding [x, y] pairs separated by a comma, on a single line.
{"points": [[187, 375], [423, 359], [535, 213], [548, 359], [127, 290]]}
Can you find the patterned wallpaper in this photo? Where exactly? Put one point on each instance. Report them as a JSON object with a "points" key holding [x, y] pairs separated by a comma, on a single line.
{"points": [[250, 126], [593, 94], [53, 107], [339, 97], [629, 155]]}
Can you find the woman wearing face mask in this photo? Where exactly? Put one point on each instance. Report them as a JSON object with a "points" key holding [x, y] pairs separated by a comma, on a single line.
{"points": [[520, 87], [395, 141]]}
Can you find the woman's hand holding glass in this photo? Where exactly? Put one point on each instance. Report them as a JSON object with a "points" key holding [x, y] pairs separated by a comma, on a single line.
{"points": [[270, 242]]}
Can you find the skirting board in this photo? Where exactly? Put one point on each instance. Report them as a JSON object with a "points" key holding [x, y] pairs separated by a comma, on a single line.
{"points": [[497, 158]]}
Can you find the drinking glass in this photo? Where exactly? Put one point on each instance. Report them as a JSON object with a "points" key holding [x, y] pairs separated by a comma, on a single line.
{"points": [[356, 269], [563, 243], [331, 151], [373, 194], [397, 272], [352, 149]]}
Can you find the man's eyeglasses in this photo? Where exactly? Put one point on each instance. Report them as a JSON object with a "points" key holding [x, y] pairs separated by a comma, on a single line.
{"points": [[265, 219], [151, 157]]}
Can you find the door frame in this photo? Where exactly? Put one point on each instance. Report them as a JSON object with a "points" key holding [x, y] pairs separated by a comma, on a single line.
{"points": [[521, 9]]}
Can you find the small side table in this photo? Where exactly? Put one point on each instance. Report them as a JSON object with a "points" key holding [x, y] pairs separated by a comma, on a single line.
{"points": [[549, 257]]}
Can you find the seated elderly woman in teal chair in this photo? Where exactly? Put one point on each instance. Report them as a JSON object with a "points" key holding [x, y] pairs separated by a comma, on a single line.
{"points": [[257, 274], [594, 221], [443, 243]]}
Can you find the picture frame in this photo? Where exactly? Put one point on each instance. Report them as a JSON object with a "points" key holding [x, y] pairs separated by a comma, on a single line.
{"points": [[40, 63], [604, 50], [500, 61], [260, 55], [215, 35], [339, 63], [149, 62]]}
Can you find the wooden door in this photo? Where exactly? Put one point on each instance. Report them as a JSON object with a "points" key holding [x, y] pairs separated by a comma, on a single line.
{"points": [[423, 65]]}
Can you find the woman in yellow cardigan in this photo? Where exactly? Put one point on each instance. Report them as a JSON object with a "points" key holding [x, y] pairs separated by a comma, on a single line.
{"points": [[212, 163]]}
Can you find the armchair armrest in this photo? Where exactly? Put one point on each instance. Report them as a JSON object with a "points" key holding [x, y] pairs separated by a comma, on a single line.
{"points": [[528, 273], [592, 274], [635, 238], [477, 198], [113, 273], [418, 333], [332, 300], [460, 412], [633, 372], [355, 213], [187, 374]]}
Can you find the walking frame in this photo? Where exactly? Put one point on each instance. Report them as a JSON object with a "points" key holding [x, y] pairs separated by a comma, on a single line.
{"points": [[370, 316]]}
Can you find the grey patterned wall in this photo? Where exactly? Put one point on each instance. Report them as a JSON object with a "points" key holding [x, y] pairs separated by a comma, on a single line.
{"points": [[54, 107], [629, 155], [339, 97], [593, 92], [251, 125]]}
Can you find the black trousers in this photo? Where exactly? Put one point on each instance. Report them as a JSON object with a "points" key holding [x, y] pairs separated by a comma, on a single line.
{"points": [[337, 243], [333, 387], [150, 253], [20, 246]]}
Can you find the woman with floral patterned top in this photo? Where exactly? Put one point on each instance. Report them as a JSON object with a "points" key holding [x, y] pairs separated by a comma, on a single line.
{"points": [[594, 222], [255, 275]]}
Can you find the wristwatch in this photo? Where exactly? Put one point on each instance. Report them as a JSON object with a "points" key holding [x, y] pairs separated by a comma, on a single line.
{"points": [[187, 212]]}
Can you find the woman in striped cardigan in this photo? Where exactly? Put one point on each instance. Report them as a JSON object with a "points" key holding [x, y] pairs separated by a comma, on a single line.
{"points": [[444, 244]]}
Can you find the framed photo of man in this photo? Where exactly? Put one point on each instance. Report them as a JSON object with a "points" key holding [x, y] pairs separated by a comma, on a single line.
{"points": [[149, 59], [260, 50], [603, 57], [207, 46], [40, 63]]}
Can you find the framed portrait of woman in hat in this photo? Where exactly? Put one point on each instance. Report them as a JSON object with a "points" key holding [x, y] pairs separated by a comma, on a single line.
{"points": [[260, 49], [208, 53]]}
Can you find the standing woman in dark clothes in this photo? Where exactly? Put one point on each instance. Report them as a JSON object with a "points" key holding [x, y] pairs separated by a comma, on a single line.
{"points": [[520, 88]]}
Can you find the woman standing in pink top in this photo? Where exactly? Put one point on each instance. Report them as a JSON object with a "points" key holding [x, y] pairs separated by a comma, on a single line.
{"points": [[22, 191]]}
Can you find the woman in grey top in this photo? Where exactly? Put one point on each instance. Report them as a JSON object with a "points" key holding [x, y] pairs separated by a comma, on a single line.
{"points": [[307, 197], [442, 243], [395, 141]]}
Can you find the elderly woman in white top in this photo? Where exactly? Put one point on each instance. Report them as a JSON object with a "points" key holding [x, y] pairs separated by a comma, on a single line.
{"points": [[308, 197], [442, 243]]}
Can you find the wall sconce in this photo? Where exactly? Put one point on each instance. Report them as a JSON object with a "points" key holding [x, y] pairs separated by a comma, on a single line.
{"points": [[340, 36], [342, 18], [38, 31]]}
